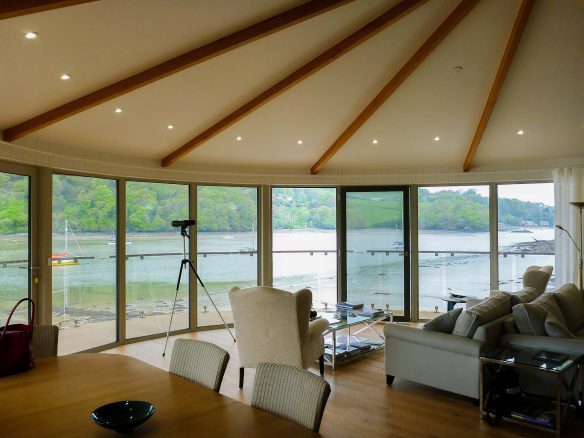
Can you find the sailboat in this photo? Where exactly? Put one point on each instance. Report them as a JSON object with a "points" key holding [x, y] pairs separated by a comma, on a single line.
{"points": [[228, 235], [64, 258]]}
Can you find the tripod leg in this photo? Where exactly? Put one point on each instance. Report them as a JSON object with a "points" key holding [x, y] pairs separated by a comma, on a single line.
{"points": [[182, 264], [211, 299]]}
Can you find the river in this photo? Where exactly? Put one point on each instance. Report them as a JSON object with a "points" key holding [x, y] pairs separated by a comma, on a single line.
{"points": [[375, 268]]}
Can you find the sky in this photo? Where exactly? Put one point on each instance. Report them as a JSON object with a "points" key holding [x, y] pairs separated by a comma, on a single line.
{"points": [[538, 192]]}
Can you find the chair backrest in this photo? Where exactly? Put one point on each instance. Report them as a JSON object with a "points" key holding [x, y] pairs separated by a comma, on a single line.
{"points": [[537, 277], [291, 393], [45, 340], [271, 325], [199, 361]]}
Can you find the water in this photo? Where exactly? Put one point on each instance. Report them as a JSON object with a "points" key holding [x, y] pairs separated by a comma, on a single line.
{"points": [[373, 277]]}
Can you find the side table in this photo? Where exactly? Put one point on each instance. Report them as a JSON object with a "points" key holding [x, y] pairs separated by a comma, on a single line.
{"points": [[564, 409]]}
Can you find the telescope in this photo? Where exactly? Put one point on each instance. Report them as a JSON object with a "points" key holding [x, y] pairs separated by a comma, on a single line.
{"points": [[184, 224]]}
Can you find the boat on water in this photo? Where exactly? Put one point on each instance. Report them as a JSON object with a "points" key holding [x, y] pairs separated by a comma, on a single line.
{"points": [[521, 230], [65, 258], [113, 240]]}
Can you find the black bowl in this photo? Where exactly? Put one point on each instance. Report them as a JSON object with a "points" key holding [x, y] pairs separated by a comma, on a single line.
{"points": [[123, 416]]}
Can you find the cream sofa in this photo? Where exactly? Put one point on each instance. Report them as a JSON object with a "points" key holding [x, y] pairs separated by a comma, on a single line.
{"points": [[446, 353], [553, 322]]}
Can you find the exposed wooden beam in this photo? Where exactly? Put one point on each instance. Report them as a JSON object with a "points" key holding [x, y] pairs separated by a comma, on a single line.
{"points": [[510, 49], [237, 39], [455, 17], [325, 58], [16, 8]]}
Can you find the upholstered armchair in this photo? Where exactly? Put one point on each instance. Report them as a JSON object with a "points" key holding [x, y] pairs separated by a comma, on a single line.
{"points": [[537, 277], [272, 325]]}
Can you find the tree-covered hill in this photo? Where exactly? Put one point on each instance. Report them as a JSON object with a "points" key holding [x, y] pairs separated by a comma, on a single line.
{"points": [[89, 205]]}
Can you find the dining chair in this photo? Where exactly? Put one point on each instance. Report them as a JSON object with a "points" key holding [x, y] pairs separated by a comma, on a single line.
{"points": [[273, 325], [45, 340], [292, 393], [199, 361]]}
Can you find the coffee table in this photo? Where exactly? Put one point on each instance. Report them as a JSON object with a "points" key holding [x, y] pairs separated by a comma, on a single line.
{"points": [[341, 348], [562, 409]]}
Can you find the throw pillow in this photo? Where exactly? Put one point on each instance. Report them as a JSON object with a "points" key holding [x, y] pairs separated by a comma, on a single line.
{"points": [[556, 329], [530, 317], [445, 322], [571, 302], [490, 309], [525, 295]]}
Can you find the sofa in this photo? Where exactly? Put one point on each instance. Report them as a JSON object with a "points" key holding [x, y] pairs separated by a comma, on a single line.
{"points": [[554, 322], [446, 352]]}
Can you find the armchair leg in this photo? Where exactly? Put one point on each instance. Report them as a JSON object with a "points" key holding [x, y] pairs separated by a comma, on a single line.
{"points": [[321, 364], [240, 378]]}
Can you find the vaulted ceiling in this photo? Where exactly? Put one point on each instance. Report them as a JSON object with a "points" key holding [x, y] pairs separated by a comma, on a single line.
{"points": [[437, 102]]}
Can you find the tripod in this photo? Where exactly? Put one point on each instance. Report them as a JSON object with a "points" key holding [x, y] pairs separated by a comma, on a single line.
{"points": [[183, 265]]}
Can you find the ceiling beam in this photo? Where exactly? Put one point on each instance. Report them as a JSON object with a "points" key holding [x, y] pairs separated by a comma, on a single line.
{"points": [[237, 39], [363, 34], [455, 17], [510, 49], [16, 8]]}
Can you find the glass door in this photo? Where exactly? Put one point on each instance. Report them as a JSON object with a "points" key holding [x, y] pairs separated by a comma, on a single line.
{"points": [[375, 248], [15, 245]]}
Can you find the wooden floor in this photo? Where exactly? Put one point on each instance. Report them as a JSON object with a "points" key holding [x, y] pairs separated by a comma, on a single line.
{"points": [[361, 404]]}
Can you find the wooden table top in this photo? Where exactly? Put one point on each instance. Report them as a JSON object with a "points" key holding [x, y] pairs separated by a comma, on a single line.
{"points": [[57, 397]]}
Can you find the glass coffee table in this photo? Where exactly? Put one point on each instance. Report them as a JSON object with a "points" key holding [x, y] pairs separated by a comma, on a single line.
{"points": [[344, 347], [551, 413]]}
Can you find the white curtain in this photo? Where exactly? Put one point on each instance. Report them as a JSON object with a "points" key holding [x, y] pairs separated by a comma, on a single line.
{"points": [[568, 187]]}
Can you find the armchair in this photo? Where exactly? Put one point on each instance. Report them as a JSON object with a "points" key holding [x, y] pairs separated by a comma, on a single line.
{"points": [[272, 325]]}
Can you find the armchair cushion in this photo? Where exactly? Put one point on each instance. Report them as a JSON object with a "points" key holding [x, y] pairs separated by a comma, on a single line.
{"points": [[492, 308], [571, 302], [445, 322]]}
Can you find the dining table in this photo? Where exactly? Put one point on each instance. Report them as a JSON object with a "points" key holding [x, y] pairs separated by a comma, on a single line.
{"points": [[57, 396]]}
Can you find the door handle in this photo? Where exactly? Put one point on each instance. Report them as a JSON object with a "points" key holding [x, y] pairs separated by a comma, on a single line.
{"points": [[404, 253]]}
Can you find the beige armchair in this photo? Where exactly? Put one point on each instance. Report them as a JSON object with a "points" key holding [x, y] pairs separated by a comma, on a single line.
{"points": [[537, 277], [272, 325]]}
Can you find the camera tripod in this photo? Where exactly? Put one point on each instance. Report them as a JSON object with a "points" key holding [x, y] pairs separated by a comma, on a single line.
{"points": [[183, 265]]}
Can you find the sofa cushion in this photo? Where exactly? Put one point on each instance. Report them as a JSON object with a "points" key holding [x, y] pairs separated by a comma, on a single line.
{"points": [[525, 295], [488, 310], [555, 328], [571, 302], [445, 322], [509, 327], [530, 317]]}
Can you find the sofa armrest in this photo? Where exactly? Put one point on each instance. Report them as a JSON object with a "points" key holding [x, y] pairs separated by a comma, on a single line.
{"points": [[490, 332], [442, 341], [317, 326], [548, 343]]}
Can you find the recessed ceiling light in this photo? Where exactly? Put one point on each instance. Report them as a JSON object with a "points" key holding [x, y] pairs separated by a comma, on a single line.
{"points": [[520, 132], [436, 138], [239, 138], [118, 110], [170, 126], [375, 141], [31, 35], [65, 77], [299, 142]]}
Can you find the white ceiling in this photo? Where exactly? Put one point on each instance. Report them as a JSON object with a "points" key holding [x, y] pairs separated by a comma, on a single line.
{"points": [[101, 42]]}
